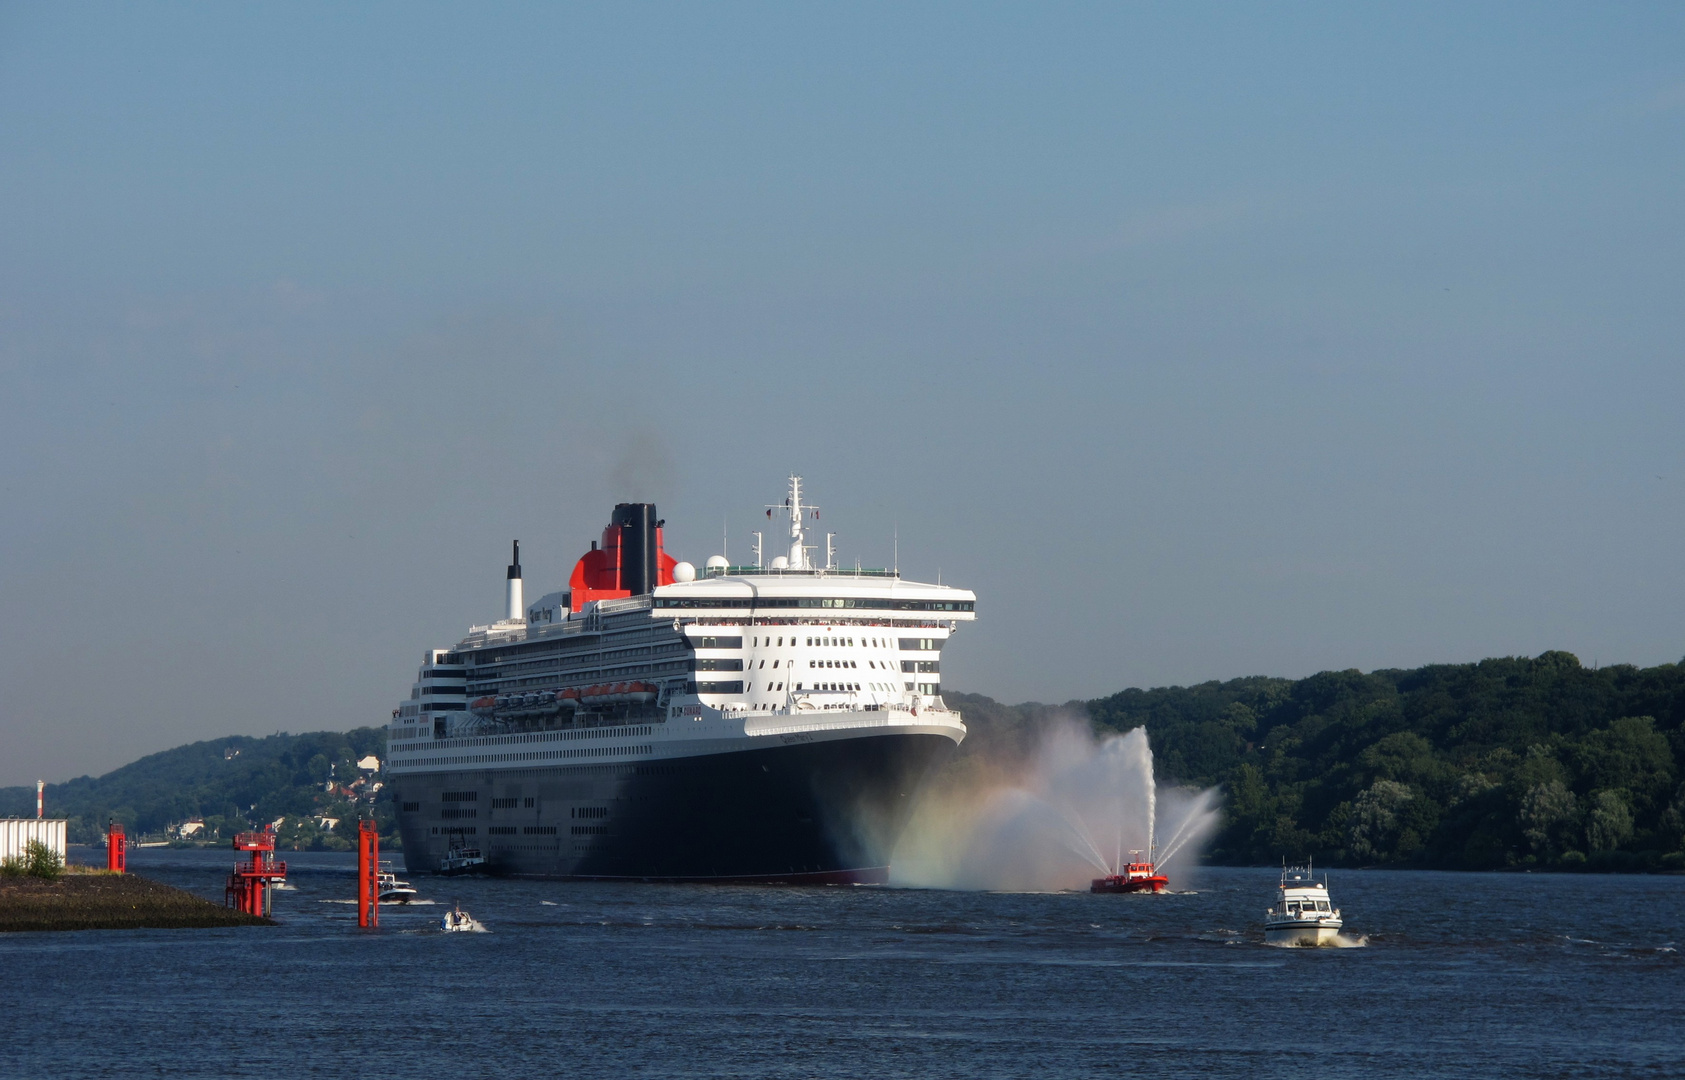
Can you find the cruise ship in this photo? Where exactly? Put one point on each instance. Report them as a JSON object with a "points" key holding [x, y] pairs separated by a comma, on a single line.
{"points": [[656, 722]]}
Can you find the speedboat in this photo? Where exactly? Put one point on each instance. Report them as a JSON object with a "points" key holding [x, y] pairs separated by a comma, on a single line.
{"points": [[462, 861], [1303, 914], [458, 921], [1137, 876], [393, 891]]}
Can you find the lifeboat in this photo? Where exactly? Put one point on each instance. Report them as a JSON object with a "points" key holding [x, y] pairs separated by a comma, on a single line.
{"points": [[1136, 877], [483, 706], [597, 695], [568, 699], [547, 702], [641, 692]]}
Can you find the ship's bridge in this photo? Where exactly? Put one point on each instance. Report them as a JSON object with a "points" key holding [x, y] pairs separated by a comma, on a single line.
{"points": [[830, 594]]}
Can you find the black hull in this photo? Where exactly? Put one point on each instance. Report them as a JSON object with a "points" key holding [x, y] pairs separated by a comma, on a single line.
{"points": [[825, 812]]}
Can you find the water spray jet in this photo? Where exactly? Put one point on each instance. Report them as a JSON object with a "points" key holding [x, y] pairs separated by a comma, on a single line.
{"points": [[1047, 816]]}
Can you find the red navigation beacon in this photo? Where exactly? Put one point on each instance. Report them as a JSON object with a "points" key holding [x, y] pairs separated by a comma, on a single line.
{"points": [[249, 885]]}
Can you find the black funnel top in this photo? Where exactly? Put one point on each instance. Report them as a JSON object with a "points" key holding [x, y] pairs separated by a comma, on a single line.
{"points": [[637, 547], [515, 563]]}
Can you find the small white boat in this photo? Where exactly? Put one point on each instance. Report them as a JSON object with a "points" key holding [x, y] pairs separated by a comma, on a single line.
{"points": [[458, 921], [462, 861], [1303, 913], [393, 891]]}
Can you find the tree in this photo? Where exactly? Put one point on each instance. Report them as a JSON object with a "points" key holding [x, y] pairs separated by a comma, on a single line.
{"points": [[1548, 813], [1374, 827], [1609, 823]]}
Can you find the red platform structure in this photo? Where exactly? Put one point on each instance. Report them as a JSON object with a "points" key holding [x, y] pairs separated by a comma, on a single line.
{"points": [[116, 849], [368, 874], [249, 885]]}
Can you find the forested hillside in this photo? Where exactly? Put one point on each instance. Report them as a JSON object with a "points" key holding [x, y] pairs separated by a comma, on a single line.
{"points": [[230, 783], [1505, 763]]}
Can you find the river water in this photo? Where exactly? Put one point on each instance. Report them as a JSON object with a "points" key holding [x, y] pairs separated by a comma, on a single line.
{"points": [[1477, 975]]}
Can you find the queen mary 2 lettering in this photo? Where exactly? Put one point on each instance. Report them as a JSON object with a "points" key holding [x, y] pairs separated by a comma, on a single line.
{"points": [[745, 723]]}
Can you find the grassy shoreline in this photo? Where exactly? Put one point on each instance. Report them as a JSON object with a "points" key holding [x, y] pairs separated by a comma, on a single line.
{"points": [[101, 901]]}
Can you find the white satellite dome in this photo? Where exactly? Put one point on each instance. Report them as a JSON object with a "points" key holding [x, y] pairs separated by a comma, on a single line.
{"points": [[684, 571], [781, 563], [716, 564]]}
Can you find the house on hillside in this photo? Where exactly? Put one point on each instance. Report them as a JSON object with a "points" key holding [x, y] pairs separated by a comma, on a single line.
{"points": [[192, 827], [369, 763]]}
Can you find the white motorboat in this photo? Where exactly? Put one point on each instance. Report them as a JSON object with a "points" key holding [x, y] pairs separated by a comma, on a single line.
{"points": [[462, 861], [1303, 913], [460, 922], [393, 891]]}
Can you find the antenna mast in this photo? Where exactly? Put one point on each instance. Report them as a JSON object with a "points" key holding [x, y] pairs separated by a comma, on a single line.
{"points": [[793, 506]]}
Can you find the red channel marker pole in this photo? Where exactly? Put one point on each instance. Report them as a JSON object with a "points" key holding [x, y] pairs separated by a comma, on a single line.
{"points": [[368, 874], [116, 854]]}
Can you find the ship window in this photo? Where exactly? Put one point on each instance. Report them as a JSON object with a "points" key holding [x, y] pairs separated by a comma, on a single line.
{"points": [[780, 641], [763, 663], [775, 665], [1322, 905], [781, 686]]}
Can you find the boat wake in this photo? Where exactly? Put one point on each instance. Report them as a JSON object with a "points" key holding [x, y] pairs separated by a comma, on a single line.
{"points": [[1338, 941]]}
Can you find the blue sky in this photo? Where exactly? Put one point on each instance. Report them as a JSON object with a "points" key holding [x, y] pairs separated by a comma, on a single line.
{"points": [[1200, 341]]}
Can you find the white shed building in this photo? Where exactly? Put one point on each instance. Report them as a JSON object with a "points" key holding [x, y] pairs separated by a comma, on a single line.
{"points": [[16, 833]]}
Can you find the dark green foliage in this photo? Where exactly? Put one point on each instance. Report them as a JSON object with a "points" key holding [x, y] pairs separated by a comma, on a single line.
{"points": [[1508, 762], [37, 861], [233, 784]]}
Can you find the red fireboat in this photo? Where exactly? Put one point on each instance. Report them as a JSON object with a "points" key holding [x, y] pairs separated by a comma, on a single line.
{"points": [[1136, 877]]}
